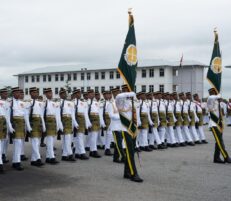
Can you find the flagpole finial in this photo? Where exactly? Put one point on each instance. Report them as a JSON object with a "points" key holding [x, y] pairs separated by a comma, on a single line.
{"points": [[215, 30], [130, 11], [131, 19]]}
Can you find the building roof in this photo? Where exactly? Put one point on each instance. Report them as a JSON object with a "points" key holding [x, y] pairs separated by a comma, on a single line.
{"points": [[108, 65]]}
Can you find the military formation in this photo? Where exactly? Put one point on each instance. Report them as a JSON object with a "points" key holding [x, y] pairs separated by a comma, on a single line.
{"points": [[86, 122]]}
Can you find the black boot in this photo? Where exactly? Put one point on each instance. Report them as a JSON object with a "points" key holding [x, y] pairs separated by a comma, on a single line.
{"points": [[228, 160], [17, 166], [94, 154], [136, 178], [218, 160], [108, 152]]}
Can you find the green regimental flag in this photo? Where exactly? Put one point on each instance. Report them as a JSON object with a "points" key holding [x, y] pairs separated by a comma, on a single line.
{"points": [[215, 68], [128, 60]]}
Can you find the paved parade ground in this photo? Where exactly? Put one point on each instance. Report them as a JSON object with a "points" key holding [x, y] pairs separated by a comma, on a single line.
{"points": [[176, 174]]}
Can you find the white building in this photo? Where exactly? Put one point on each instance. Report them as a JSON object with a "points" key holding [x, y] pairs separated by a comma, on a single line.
{"points": [[152, 75]]}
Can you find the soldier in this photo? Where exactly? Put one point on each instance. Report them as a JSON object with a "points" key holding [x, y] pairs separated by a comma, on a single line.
{"points": [[35, 110], [128, 119], [53, 124], [171, 140], [153, 132], [199, 125], [186, 119], [193, 117], [116, 128], [67, 113], [96, 121], [19, 119], [179, 120], [4, 141], [107, 121], [144, 114], [229, 113], [162, 118], [5, 126], [217, 127], [81, 114]]}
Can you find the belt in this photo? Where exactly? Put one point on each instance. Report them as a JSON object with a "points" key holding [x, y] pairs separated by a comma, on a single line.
{"points": [[18, 117], [94, 113], [35, 115], [50, 116], [144, 113], [80, 113], [66, 115], [1, 116]]}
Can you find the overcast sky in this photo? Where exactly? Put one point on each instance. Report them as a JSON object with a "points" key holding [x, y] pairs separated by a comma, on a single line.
{"points": [[37, 33]]}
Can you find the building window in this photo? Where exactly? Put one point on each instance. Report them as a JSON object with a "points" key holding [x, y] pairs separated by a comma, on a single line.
{"points": [[61, 77], [117, 75], [75, 76], [111, 75], [38, 91], [44, 78], [49, 78], [102, 75], [96, 75], [102, 89], [37, 78], [174, 88], [88, 76], [26, 91], [143, 73], [161, 88], [82, 76], [96, 89], [69, 77], [151, 72], [88, 88], [56, 90], [143, 88], [82, 89], [151, 88], [69, 89], [26, 78], [56, 77], [161, 72], [175, 72], [111, 87], [74, 88], [32, 78]]}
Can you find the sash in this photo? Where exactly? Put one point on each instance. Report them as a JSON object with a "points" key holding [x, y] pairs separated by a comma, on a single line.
{"points": [[217, 121], [130, 125]]}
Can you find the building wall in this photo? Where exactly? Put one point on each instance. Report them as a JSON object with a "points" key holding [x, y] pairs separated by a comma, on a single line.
{"points": [[188, 79]]}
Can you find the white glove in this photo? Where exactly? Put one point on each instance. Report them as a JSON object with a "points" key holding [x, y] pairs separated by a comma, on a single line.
{"points": [[103, 125], [89, 125], [11, 130]]}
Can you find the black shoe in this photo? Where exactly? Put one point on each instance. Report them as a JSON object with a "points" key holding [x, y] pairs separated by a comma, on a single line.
{"points": [[87, 148], [53, 161], [152, 147], [24, 158], [64, 158], [182, 144], [100, 147], [190, 144], [108, 152], [137, 149], [94, 154], [198, 142], [204, 142], [112, 145], [43, 145], [47, 160], [228, 160], [83, 157], [1, 169], [218, 160], [160, 146], [71, 158], [4, 159], [147, 149], [136, 178], [17, 166], [77, 156], [142, 148], [173, 145]]}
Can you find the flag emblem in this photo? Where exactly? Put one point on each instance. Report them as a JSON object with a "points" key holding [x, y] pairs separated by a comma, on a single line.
{"points": [[216, 66], [131, 55]]}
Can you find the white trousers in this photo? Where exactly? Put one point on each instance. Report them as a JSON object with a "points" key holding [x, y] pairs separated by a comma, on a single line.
{"points": [[187, 136], [108, 138], [1, 152], [178, 135], [35, 143], [23, 148], [143, 138], [17, 147], [170, 135], [162, 133], [151, 138], [66, 144], [205, 119], [5, 143], [79, 144], [194, 133], [228, 120], [50, 147], [93, 136], [201, 133], [100, 138]]}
